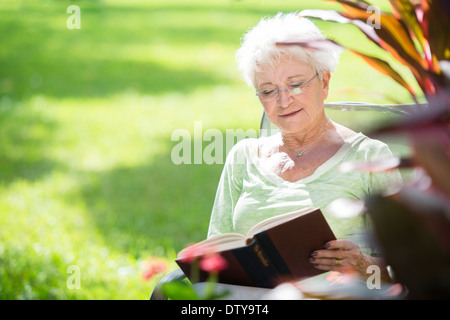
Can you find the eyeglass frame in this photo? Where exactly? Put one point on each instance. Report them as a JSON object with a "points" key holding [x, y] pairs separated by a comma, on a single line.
{"points": [[287, 90]]}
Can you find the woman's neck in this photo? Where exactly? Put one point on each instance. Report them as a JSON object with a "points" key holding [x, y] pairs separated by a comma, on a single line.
{"points": [[306, 137]]}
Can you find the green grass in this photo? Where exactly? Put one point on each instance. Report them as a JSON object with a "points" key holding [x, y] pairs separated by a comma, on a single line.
{"points": [[86, 118]]}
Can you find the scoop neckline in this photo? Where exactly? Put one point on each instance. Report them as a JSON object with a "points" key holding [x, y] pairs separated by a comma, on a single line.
{"points": [[324, 167]]}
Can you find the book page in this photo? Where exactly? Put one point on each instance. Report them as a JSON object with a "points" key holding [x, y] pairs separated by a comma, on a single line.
{"points": [[219, 243], [274, 221]]}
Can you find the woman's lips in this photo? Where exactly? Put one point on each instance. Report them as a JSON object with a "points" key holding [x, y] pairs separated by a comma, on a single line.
{"points": [[287, 115]]}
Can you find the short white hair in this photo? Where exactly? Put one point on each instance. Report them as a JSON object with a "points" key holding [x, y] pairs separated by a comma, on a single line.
{"points": [[259, 45]]}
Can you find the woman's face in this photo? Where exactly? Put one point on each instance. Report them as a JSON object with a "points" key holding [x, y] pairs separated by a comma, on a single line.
{"points": [[293, 113]]}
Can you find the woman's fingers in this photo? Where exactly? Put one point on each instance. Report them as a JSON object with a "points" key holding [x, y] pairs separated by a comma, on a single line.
{"points": [[327, 263], [341, 244], [337, 253], [344, 256], [329, 253]]}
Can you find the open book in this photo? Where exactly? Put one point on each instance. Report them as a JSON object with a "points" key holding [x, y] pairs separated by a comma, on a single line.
{"points": [[275, 250]]}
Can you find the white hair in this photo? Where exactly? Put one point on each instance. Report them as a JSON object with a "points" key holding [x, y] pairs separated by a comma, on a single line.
{"points": [[259, 45]]}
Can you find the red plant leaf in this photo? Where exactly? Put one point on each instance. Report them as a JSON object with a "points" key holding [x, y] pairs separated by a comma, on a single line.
{"points": [[437, 26], [380, 65], [393, 37], [393, 32], [385, 68], [406, 11], [332, 15], [313, 44]]}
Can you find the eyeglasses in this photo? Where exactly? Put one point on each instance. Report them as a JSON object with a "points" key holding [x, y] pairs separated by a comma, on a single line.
{"points": [[293, 89]]}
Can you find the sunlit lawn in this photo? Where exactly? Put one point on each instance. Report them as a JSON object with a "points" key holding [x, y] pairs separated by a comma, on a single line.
{"points": [[86, 117]]}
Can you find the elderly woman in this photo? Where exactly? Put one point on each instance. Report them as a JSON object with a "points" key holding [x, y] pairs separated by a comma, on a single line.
{"points": [[298, 167]]}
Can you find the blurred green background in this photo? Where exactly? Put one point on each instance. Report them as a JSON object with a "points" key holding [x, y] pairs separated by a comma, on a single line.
{"points": [[86, 118]]}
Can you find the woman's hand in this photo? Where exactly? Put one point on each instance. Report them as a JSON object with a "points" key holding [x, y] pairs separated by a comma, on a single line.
{"points": [[344, 256]]}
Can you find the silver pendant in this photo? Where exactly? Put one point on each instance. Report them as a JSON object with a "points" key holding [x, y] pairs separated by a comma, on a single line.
{"points": [[299, 153]]}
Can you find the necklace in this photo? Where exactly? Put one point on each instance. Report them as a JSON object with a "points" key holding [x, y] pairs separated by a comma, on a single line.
{"points": [[299, 153]]}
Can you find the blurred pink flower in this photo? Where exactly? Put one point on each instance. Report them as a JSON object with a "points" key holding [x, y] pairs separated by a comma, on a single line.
{"points": [[192, 252], [210, 261], [345, 277], [395, 290], [153, 266], [213, 263]]}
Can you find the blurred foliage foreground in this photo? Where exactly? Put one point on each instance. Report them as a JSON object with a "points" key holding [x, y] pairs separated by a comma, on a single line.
{"points": [[412, 226]]}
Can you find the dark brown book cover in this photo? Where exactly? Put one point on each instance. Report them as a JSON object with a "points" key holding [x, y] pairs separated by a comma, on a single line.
{"points": [[298, 238], [278, 254]]}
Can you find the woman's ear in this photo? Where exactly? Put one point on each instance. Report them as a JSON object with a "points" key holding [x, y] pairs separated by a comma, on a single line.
{"points": [[326, 75]]}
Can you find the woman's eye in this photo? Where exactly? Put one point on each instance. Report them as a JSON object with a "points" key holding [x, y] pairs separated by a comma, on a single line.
{"points": [[296, 84], [267, 91]]}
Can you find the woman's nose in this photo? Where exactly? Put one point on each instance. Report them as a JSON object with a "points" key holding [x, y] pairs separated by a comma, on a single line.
{"points": [[284, 98]]}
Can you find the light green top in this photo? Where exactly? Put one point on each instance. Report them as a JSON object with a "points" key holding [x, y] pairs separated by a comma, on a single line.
{"points": [[249, 192]]}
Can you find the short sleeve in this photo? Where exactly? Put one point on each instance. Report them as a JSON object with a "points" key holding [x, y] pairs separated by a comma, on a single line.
{"points": [[386, 180]]}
